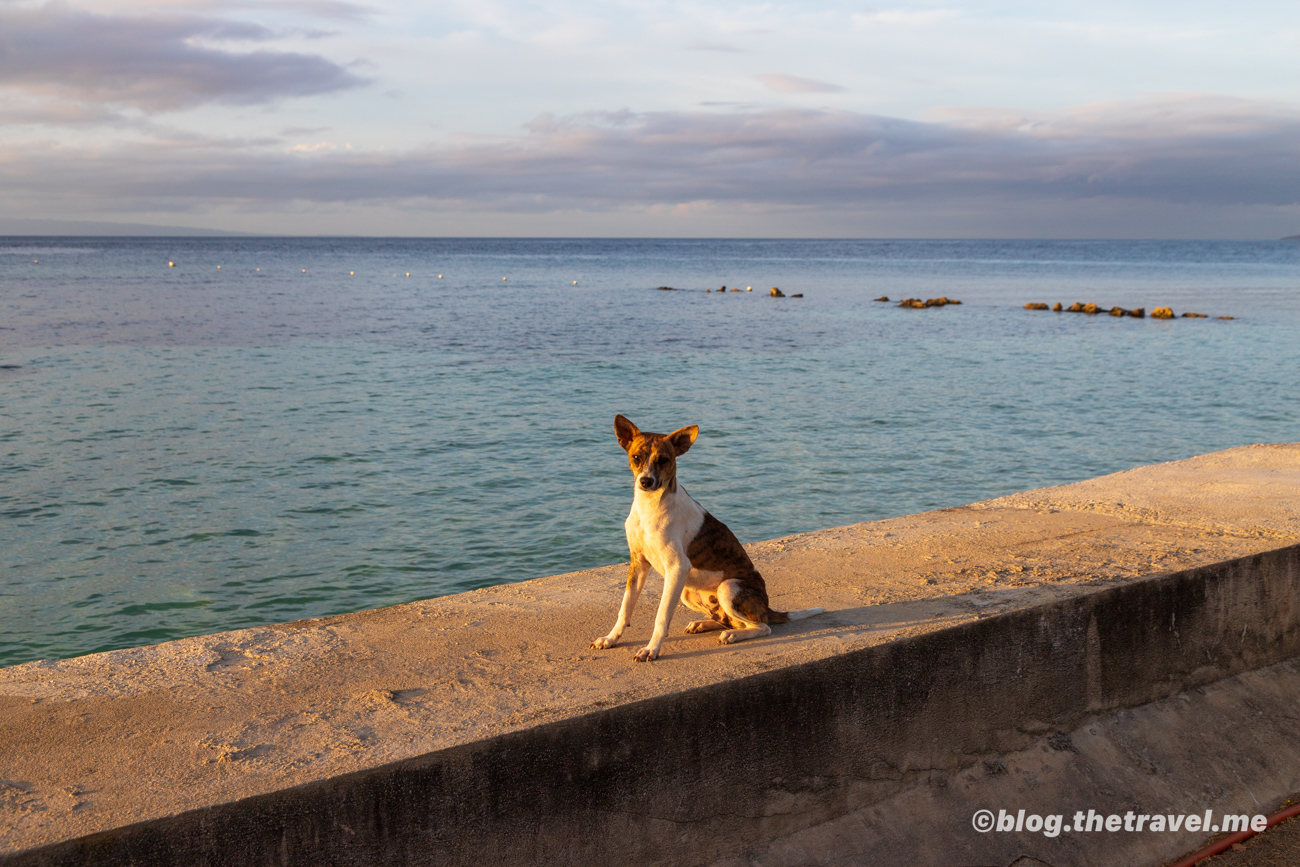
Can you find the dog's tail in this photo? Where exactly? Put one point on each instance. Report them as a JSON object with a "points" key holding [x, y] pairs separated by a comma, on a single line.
{"points": [[787, 616]]}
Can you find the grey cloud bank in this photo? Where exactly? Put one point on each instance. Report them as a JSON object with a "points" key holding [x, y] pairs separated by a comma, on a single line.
{"points": [[152, 63], [1217, 155], [256, 116]]}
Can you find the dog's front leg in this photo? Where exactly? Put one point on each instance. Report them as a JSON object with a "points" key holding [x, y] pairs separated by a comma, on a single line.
{"points": [[636, 574], [678, 567]]}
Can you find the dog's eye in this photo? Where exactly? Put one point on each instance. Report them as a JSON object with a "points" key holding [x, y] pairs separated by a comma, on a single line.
{"points": [[636, 459]]}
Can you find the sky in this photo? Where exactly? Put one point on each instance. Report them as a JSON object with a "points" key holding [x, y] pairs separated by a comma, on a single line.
{"points": [[632, 118]]}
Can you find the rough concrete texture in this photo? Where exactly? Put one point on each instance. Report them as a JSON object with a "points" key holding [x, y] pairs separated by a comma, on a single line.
{"points": [[1229, 746], [458, 729]]}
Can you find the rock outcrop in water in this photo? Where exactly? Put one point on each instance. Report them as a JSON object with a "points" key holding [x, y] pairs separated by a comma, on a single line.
{"points": [[776, 293], [1136, 313], [918, 304], [883, 298]]}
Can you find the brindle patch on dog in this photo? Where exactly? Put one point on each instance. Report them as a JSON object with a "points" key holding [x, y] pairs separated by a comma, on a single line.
{"points": [[716, 549], [707, 603], [751, 603]]}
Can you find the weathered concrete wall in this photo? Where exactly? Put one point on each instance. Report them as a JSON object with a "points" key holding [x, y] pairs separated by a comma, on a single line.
{"points": [[696, 775]]}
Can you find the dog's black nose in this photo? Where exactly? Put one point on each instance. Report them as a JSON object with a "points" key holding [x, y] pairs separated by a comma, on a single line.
{"points": [[648, 483]]}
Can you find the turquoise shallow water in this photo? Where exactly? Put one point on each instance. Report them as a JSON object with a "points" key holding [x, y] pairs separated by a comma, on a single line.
{"points": [[187, 449]]}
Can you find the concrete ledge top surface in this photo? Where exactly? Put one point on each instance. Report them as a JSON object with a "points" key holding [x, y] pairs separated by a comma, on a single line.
{"points": [[106, 740]]}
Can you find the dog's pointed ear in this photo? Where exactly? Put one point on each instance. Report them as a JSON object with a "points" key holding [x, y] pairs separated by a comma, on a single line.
{"points": [[682, 438], [625, 431]]}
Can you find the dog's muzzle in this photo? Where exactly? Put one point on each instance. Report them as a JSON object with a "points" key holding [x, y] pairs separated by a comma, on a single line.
{"points": [[648, 483]]}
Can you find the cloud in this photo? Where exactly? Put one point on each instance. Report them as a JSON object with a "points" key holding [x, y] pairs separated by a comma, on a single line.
{"points": [[902, 17], [151, 63], [817, 160], [715, 46], [793, 84]]}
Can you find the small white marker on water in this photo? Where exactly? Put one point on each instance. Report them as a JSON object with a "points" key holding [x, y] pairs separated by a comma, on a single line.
{"points": [[575, 282], [503, 279], [218, 267], [408, 273], [304, 270], [352, 273], [439, 276], [171, 264]]}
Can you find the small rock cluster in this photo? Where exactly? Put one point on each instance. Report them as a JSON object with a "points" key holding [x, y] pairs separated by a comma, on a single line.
{"points": [[1137, 313], [775, 293], [918, 304]]}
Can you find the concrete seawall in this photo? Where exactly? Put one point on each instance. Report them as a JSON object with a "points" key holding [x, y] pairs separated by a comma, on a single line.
{"points": [[1020, 650]]}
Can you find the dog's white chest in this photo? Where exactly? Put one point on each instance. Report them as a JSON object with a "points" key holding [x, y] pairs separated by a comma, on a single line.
{"points": [[661, 528]]}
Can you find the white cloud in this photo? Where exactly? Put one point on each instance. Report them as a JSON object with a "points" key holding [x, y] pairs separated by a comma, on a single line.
{"points": [[783, 83], [902, 17]]}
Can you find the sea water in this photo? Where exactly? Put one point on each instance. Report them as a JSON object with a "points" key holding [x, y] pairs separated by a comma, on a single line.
{"points": [[203, 434]]}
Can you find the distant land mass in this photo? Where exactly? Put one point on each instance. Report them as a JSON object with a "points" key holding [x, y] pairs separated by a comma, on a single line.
{"points": [[21, 226], [1292, 238]]}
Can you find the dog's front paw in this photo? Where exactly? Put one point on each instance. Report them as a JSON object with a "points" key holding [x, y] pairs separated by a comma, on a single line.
{"points": [[604, 643], [647, 654]]}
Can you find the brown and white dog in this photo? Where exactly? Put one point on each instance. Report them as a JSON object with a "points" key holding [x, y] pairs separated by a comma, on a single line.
{"points": [[700, 559]]}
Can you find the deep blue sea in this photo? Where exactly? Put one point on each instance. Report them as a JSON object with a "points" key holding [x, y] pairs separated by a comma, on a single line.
{"points": [[274, 429]]}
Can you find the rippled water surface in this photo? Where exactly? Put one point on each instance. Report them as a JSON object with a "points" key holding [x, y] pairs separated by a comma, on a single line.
{"points": [[307, 430]]}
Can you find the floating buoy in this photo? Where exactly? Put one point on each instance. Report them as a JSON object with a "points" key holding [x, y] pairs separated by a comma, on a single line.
{"points": [[304, 270], [408, 273], [218, 267], [503, 279], [259, 269], [352, 273], [439, 276], [749, 288], [575, 282], [36, 261], [171, 264]]}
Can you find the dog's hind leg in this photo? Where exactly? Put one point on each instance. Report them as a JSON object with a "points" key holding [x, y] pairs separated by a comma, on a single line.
{"points": [[637, 571], [706, 603], [729, 593]]}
